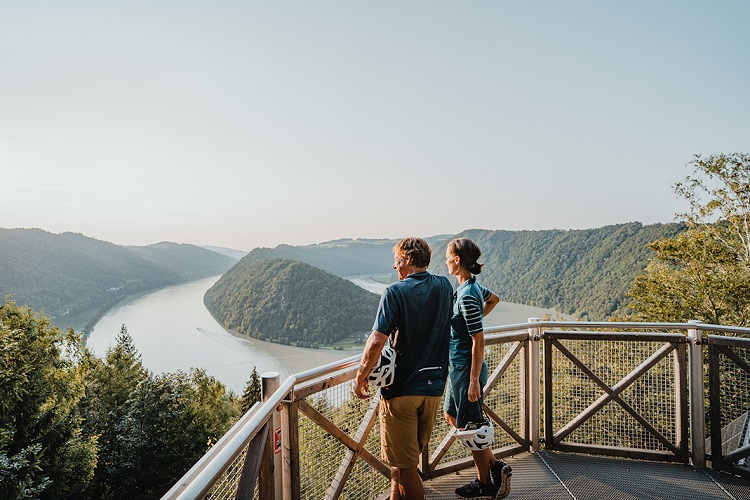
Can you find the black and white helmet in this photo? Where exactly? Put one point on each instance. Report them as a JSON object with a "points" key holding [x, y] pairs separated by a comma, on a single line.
{"points": [[385, 371], [477, 436]]}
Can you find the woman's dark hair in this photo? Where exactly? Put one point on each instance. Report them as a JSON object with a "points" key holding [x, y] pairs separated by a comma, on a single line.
{"points": [[468, 252]]}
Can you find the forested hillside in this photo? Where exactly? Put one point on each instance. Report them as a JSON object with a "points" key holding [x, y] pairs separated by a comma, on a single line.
{"points": [[75, 278], [290, 302], [585, 273]]}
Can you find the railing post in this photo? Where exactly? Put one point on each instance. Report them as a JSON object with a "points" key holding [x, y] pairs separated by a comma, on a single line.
{"points": [[270, 383], [681, 398], [697, 397], [290, 449], [523, 394], [535, 335]]}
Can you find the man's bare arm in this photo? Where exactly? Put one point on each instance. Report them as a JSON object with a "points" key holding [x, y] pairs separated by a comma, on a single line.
{"points": [[370, 355]]}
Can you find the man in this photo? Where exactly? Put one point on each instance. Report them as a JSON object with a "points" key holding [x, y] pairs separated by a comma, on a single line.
{"points": [[415, 313]]}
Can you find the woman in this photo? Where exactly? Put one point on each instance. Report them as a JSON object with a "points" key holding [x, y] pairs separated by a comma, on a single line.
{"points": [[468, 369]]}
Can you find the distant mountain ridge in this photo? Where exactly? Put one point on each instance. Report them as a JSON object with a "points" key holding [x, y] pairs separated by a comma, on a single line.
{"points": [[75, 278], [343, 257], [289, 301], [229, 252]]}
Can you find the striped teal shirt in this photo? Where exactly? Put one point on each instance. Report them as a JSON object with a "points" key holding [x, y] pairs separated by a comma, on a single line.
{"points": [[468, 310]]}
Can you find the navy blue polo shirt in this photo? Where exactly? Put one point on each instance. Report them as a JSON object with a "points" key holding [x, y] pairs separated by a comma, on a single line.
{"points": [[415, 313]]}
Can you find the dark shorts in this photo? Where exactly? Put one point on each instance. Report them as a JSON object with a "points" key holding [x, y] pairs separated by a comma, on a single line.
{"points": [[457, 403]]}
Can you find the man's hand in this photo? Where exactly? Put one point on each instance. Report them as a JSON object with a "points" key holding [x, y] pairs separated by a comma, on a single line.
{"points": [[362, 386], [370, 356]]}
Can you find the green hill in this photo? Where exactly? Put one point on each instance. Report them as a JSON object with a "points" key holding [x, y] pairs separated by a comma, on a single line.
{"points": [[585, 273], [289, 301], [75, 278]]}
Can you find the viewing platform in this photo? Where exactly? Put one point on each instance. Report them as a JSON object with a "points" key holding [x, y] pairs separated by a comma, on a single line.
{"points": [[553, 475], [581, 410]]}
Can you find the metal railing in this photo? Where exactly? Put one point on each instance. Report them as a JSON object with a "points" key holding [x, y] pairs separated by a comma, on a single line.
{"points": [[643, 374], [729, 400], [631, 389]]}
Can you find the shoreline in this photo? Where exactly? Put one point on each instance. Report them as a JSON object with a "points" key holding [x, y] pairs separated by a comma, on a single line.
{"points": [[327, 347]]}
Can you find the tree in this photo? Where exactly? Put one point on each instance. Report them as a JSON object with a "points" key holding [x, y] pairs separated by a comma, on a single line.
{"points": [[167, 425], [110, 383], [43, 452], [703, 273], [251, 395], [151, 429], [719, 190]]}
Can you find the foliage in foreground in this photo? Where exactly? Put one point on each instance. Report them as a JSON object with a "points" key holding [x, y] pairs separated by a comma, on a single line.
{"points": [[43, 450], [704, 273], [75, 426]]}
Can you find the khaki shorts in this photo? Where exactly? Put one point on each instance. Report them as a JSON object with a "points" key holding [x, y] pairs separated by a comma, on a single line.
{"points": [[406, 424]]}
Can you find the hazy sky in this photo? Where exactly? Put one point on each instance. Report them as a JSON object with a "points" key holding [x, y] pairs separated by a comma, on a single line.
{"points": [[244, 124]]}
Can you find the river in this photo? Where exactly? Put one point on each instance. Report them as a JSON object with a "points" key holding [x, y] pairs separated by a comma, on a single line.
{"points": [[173, 330]]}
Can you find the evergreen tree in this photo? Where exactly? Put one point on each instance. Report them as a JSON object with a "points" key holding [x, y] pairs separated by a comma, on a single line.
{"points": [[110, 384], [251, 395]]}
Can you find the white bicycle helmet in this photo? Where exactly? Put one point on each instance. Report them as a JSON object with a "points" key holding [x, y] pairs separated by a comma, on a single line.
{"points": [[385, 371], [477, 436]]}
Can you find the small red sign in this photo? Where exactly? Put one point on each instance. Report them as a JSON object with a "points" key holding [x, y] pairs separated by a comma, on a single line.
{"points": [[277, 441]]}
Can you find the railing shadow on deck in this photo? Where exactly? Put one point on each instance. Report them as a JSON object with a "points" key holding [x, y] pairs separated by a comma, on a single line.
{"points": [[633, 390]]}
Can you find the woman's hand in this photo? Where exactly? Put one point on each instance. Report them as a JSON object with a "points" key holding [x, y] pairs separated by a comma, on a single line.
{"points": [[474, 390], [477, 358]]}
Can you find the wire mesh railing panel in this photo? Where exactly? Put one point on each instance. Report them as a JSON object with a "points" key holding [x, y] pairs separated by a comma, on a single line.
{"points": [[651, 395], [504, 400], [225, 488], [734, 387], [321, 454], [442, 429], [364, 483]]}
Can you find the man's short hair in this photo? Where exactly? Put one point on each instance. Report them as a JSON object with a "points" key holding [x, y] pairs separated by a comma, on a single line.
{"points": [[415, 250]]}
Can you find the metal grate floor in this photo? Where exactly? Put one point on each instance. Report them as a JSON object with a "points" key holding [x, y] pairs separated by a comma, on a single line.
{"points": [[550, 475]]}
